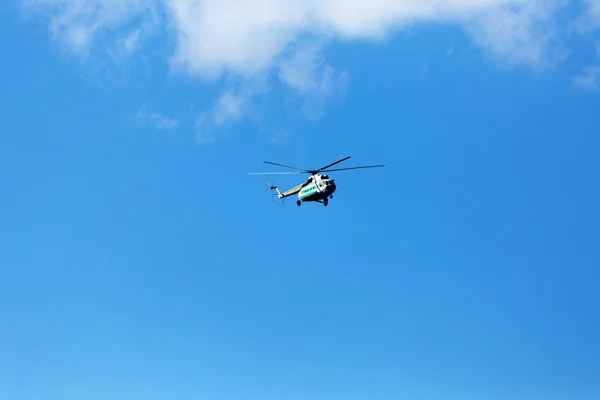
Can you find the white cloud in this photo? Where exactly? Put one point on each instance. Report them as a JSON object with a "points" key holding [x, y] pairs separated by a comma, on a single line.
{"points": [[247, 36], [246, 39]]}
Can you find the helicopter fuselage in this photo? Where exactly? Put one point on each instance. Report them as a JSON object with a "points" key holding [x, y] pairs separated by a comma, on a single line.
{"points": [[320, 189]]}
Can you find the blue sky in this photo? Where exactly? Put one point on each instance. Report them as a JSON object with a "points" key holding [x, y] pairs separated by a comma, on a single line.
{"points": [[138, 260]]}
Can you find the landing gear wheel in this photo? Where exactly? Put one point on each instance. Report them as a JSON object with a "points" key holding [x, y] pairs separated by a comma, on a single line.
{"points": [[298, 202], [331, 196], [325, 202]]}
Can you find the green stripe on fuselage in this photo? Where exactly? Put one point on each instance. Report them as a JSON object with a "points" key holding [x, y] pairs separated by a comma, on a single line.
{"points": [[308, 191]]}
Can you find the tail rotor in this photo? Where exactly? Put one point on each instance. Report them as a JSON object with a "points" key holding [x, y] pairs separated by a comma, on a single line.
{"points": [[272, 187], [274, 190]]}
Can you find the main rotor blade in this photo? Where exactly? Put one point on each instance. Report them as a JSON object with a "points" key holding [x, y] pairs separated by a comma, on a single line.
{"points": [[275, 173], [286, 166], [344, 169], [332, 164]]}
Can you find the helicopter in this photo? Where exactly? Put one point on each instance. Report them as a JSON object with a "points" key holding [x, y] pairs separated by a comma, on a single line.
{"points": [[317, 188]]}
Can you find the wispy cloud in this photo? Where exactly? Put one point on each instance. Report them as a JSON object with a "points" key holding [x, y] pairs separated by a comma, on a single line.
{"points": [[131, 42], [229, 108], [520, 33], [305, 71], [246, 39], [590, 18], [588, 80], [158, 120], [86, 25], [300, 69]]}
